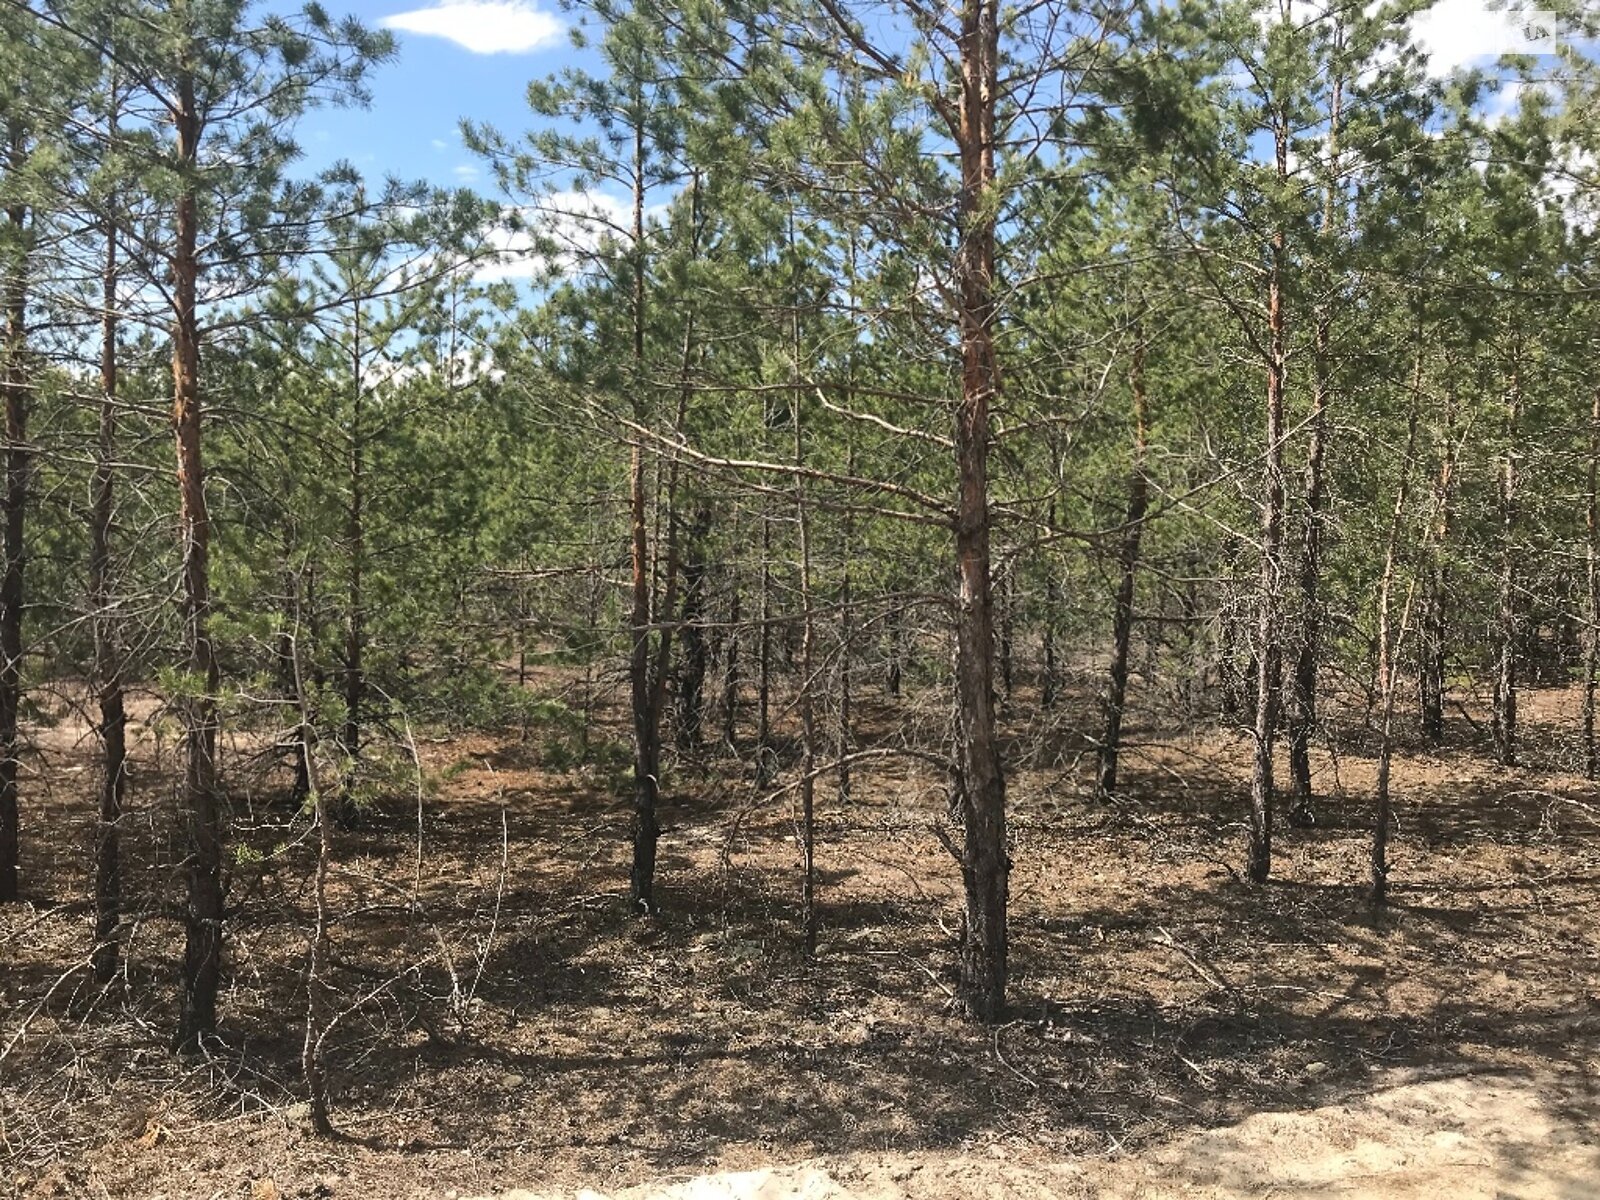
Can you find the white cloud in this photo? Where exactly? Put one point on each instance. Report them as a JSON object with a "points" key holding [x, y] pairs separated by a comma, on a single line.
{"points": [[575, 221], [483, 26], [439, 144], [1464, 33], [464, 171]]}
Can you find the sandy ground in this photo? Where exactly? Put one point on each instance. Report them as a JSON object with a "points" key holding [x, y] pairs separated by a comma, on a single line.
{"points": [[1466, 1138]]}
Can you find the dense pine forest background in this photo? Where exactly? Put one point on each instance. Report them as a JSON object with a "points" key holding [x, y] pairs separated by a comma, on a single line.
{"points": [[869, 514]]}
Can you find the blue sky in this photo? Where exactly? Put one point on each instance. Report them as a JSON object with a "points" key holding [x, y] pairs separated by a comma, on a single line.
{"points": [[474, 58], [456, 60]]}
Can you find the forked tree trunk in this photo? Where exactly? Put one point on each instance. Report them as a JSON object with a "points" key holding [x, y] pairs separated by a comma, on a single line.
{"points": [[1505, 676], [1270, 587], [1127, 578], [106, 676], [202, 955], [980, 790], [14, 300]]}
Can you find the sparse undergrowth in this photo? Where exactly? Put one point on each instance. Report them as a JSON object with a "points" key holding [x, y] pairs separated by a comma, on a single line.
{"points": [[516, 1024]]}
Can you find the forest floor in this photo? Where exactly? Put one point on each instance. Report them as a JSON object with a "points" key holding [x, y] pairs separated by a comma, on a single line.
{"points": [[1172, 1028]]}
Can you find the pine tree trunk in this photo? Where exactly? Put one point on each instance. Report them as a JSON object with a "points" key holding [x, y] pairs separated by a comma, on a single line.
{"points": [[106, 675], [1387, 642], [1008, 602], [1052, 602], [980, 791], [1268, 596], [1431, 673], [1591, 647], [355, 675], [1303, 706], [730, 673], [14, 301], [694, 664], [807, 666], [647, 672], [764, 643], [202, 956], [646, 726], [318, 1022], [1127, 577], [893, 669], [847, 631], [646, 729], [1505, 680], [846, 651]]}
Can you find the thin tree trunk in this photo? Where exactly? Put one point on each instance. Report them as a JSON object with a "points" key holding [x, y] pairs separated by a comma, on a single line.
{"points": [[764, 643], [1505, 681], [892, 673], [1387, 647], [14, 301], [846, 648], [646, 729], [980, 791], [1048, 685], [1008, 601], [312, 1065], [1052, 601], [1272, 503], [693, 667], [106, 677], [1303, 706], [1303, 702], [730, 673], [355, 676], [847, 630], [202, 957], [1431, 682], [807, 665], [1128, 569], [1591, 647]]}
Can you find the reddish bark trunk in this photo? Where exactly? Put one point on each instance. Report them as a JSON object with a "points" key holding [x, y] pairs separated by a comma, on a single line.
{"points": [[980, 790]]}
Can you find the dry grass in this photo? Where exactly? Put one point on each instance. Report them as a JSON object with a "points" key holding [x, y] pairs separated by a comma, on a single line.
{"points": [[1153, 992]]}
